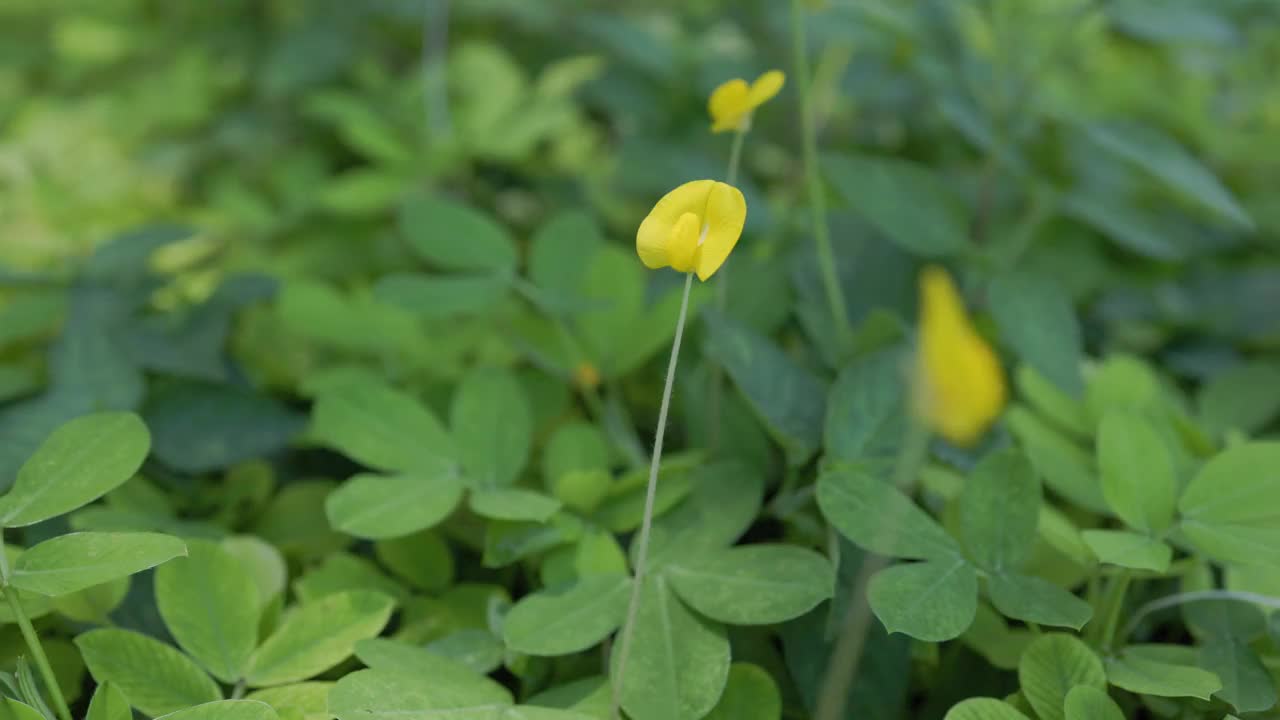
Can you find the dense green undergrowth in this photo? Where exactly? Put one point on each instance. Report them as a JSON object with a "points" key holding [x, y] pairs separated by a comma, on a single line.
{"points": [[329, 373]]}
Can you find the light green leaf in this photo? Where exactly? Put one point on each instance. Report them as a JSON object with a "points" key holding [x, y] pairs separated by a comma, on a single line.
{"points": [[210, 604], [376, 507], [513, 504], [1051, 666], [475, 648], [991, 637], [909, 203], [452, 236], [932, 601], [225, 710], [999, 511], [422, 559], [867, 410], [493, 424], [470, 686], [341, 571], [1246, 682], [1138, 479], [875, 515], [1243, 398], [751, 694], [1032, 599], [1085, 702], [309, 699], [1152, 677], [108, 703], [398, 695], [74, 562], [317, 636], [983, 709], [1035, 316], [441, 296], [570, 618], [786, 396], [1129, 549], [1228, 508], [679, 662], [79, 462], [558, 250], [265, 563], [11, 709], [753, 584], [384, 428], [155, 677], [1066, 467], [1064, 411]]}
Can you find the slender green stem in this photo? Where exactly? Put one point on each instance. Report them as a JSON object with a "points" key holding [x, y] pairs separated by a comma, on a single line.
{"points": [[37, 652], [813, 182], [1195, 596], [238, 691], [842, 670], [646, 522], [1114, 604], [716, 380]]}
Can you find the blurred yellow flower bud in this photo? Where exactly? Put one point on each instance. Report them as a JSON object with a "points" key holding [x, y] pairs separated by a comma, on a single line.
{"points": [[693, 228], [585, 375], [732, 103], [959, 387]]}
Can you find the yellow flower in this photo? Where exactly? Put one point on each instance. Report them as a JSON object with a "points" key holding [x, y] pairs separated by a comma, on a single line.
{"points": [[693, 228], [960, 387], [731, 104]]}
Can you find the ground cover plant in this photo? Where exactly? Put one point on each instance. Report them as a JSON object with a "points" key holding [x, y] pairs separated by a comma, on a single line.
{"points": [[570, 360]]}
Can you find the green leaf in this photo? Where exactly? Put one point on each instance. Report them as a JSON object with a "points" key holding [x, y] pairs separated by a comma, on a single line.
{"points": [[1152, 677], [983, 709], [1035, 316], [1032, 599], [1167, 161], [1225, 619], [875, 515], [514, 504], [1228, 508], [452, 236], [317, 636], [753, 584], [81, 461], [477, 649], [441, 296], [225, 710], [867, 410], [1246, 682], [69, 563], [1244, 398], [1066, 468], [310, 700], [398, 695], [932, 601], [570, 618], [786, 396], [155, 677], [11, 709], [558, 250], [1051, 666], [209, 601], [1138, 478], [999, 511], [108, 703], [198, 427], [340, 572], [1064, 411], [467, 684], [384, 428], [1085, 702], [751, 694], [1129, 549], [423, 560], [909, 203], [493, 424], [679, 662], [376, 507], [725, 500]]}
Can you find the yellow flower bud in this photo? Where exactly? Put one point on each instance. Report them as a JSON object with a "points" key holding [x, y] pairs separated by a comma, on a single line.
{"points": [[960, 388], [732, 103], [693, 228]]}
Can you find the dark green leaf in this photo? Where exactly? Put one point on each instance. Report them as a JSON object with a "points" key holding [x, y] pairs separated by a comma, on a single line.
{"points": [[1035, 317], [932, 601], [452, 236]]}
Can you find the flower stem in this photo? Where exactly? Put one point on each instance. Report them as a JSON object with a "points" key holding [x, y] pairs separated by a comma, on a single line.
{"points": [[842, 670], [1114, 604], [814, 190], [646, 522], [32, 640], [716, 381]]}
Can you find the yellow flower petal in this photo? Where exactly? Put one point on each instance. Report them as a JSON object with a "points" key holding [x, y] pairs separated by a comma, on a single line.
{"points": [[728, 105], [682, 247], [725, 215], [655, 232], [765, 87], [960, 387]]}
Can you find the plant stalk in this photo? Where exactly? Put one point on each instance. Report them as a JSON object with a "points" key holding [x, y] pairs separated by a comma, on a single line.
{"points": [[33, 644], [813, 182], [842, 670], [646, 522]]}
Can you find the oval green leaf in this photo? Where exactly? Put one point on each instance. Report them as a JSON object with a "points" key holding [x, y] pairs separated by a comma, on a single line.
{"points": [[317, 636], [74, 562], [753, 584]]}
